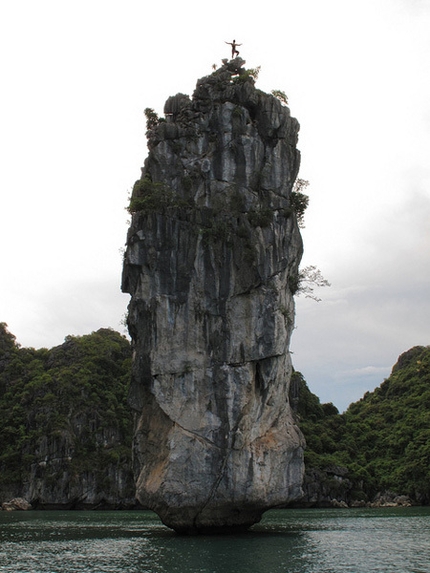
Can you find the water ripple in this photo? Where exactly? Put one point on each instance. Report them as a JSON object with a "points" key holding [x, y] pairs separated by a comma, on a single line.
{"points": [[288, 541]]}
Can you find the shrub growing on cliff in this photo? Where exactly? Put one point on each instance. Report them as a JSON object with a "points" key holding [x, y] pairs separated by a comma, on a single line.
{"points": [[251, 73], [299, 201], [152, 119], [281, 96], [148, 196], [306, 281]]}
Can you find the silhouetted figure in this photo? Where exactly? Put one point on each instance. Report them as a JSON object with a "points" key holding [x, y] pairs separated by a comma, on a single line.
{"points": [[233, 48]]}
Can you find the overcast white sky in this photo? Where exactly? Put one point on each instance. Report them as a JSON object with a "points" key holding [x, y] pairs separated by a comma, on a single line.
{"points": [[76, 77]]}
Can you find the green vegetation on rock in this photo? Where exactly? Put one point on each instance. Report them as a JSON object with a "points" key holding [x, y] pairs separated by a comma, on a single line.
{"points": [[299, 201], [149, 197], [383, 440], [64, 414]]}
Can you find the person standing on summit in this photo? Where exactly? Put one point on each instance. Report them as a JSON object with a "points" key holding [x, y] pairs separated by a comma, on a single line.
{"points": [[233, 48]]}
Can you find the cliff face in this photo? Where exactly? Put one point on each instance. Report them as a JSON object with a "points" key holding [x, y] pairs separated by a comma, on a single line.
{"points": [[76, 471], [212, 250]]}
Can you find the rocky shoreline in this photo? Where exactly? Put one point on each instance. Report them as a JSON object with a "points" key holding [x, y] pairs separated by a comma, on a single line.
{"points": [[384, 499]]}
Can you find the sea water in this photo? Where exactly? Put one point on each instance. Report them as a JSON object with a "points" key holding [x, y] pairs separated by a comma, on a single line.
{"points": [[384, 540]]}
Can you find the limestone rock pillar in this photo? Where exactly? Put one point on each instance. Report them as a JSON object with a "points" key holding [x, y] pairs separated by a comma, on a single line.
{"points": [[212, 251]]}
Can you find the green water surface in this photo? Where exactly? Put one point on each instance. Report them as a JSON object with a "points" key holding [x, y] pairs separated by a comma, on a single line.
{"points": [[293, 541]]}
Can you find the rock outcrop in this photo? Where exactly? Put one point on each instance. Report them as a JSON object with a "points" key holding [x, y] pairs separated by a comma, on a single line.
{"points": [[328, 487], [16, 504], [211, 265]]}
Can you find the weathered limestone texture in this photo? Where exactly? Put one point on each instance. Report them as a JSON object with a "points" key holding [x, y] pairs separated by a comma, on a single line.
{"points": [[212, 259]]}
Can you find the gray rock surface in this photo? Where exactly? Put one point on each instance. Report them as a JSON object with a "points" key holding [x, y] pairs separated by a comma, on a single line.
{"points": [[212, 249], [52, 483]]}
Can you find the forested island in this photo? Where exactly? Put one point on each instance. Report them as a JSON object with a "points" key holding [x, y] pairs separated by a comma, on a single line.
{"points": [[66, 430]]}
